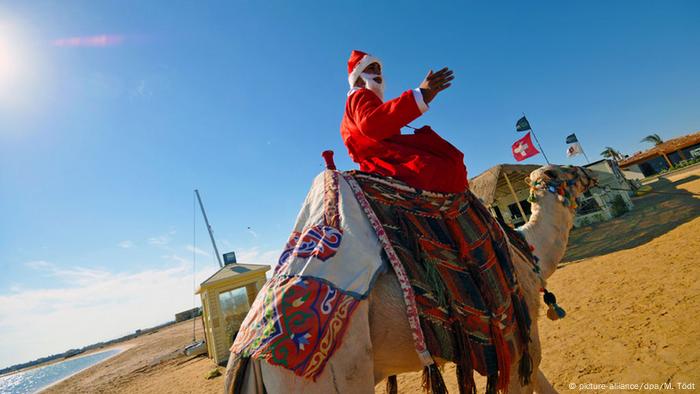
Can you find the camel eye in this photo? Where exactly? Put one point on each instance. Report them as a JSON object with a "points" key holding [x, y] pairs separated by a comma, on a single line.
{"points": [[550, 174]]}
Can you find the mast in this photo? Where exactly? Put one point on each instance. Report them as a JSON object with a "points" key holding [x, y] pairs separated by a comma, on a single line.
{"points": [[211, 233]]}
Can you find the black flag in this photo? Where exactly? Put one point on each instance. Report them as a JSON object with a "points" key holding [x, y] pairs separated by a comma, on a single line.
{"points": [[571, 139], [522, 124]]}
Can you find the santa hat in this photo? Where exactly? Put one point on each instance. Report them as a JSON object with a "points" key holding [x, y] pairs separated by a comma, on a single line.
{"points": [[357, 63]]}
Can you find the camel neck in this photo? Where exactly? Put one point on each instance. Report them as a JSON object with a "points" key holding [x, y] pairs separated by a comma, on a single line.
{"points": [[548, 231]]}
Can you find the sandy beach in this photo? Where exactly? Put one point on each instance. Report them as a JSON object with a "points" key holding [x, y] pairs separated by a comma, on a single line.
{"points": [[630, 287]]}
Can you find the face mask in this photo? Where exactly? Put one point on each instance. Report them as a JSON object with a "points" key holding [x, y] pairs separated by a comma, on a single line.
{"points": [[371, 84]]}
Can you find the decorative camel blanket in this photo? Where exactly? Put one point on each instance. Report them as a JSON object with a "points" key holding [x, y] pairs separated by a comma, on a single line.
{"points": [[448, 253], [328, 266], [455, 254]]}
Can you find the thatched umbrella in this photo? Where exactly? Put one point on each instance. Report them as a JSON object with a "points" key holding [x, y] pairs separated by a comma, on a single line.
{"points": [[498, 181]]}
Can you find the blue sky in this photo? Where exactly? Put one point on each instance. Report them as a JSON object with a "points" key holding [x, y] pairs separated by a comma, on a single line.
{"points": [[111, 113]]}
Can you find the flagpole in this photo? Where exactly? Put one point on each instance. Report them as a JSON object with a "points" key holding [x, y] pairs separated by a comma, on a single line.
{"points": [[537, 141], [583, 151], [585, 155]]}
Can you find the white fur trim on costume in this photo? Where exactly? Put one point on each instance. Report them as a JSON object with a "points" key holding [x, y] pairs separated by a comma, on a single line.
{"points": [[353, 90], [360, 67], [422, 105]]}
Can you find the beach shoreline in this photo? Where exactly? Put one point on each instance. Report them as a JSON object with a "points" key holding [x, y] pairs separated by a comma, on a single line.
{"points": [[120, 347]]}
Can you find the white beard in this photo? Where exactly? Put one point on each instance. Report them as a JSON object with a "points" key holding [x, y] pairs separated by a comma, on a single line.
{"points": [[372, 85]]}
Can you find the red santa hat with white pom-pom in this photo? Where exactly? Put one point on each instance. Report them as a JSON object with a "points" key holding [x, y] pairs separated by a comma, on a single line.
{"points": [[357, 63]]}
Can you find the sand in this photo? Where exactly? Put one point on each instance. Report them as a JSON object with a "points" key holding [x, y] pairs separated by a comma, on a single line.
{"points": [[152, 363], [630, 286]]}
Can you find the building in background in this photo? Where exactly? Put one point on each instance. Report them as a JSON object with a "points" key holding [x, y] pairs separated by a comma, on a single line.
{"points": [[611, 198], [188, 314], [504, 190], [662, 157]]}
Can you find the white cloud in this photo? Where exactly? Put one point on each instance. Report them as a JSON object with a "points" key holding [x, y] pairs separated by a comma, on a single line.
{"points": [[38, 264], [197, 250], [126, 244], [160, 240], [256, 256], [90, 305]]}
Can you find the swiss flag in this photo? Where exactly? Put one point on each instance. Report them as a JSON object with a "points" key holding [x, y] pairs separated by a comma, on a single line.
{"points": [[524, 148]]}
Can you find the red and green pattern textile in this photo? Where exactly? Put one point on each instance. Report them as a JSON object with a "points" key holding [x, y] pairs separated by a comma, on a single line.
{"points": [[455, 254], [295, 323]]}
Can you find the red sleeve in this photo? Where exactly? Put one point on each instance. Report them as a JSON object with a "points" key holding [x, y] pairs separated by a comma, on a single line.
{"points": [[378, 120]]}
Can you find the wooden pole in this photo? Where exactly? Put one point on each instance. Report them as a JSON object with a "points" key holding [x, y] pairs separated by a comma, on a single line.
{"points": [[667, 160], [515, 196], [537, 141]]}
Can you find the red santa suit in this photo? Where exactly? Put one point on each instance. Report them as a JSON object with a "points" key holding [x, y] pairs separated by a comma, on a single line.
{"points": [[371, 130]]}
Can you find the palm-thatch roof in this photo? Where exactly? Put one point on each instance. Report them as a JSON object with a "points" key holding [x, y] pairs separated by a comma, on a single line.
{"points": [[491, 185], [664, 148]]}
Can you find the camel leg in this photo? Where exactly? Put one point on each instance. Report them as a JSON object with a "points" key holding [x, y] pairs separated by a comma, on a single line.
{"points": [[349, 370]]}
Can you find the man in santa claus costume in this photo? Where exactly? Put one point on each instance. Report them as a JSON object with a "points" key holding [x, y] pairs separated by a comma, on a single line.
{"points": [[371, 130]]}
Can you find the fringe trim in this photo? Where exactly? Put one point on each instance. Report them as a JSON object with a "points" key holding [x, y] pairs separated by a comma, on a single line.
{"points": [[392, 386], [491, 384], [503, 356], [432, 380], [522, 319], [525, 368], [465, 367], [240, 366]]}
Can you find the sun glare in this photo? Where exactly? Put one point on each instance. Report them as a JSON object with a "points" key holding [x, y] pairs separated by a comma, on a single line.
{"points": [[17, 72], [9, 58]]}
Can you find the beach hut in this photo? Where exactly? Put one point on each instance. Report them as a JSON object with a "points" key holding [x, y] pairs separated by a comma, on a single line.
{"points": [[662, 157], [226, 298], [503, 190]]}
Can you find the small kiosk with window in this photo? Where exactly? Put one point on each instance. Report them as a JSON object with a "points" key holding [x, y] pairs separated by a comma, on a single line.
{"points": [[226, 299]]}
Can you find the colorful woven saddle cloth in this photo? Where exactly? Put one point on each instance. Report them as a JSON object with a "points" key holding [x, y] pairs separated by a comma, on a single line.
{"points": [[456, 258], [326, 269], [449, 255]]}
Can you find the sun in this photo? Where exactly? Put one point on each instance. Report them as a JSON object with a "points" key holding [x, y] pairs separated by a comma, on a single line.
{"points": [[10, 58], [17, 68]]}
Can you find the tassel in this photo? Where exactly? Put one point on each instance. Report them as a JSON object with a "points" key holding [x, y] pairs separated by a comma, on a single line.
{"points": [[522, 318], [560, 311], [525, 368], [554, 311], [432, 380], [239, 367], [392, 386], [491, 383], [502, 355], [465, 368]]}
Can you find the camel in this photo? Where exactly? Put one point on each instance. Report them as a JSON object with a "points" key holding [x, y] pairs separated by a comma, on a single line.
{"points": [[378, 343]]}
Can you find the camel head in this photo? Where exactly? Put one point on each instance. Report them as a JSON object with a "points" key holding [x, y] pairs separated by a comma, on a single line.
{"points": [[565, 182], [553, 193]]}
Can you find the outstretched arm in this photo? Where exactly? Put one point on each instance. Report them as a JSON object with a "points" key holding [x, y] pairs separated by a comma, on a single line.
{"points": [[435, 83], [379, 120]]}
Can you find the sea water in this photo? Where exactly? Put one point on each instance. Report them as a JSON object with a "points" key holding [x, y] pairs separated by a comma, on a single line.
{"points": [[36, 379]]}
